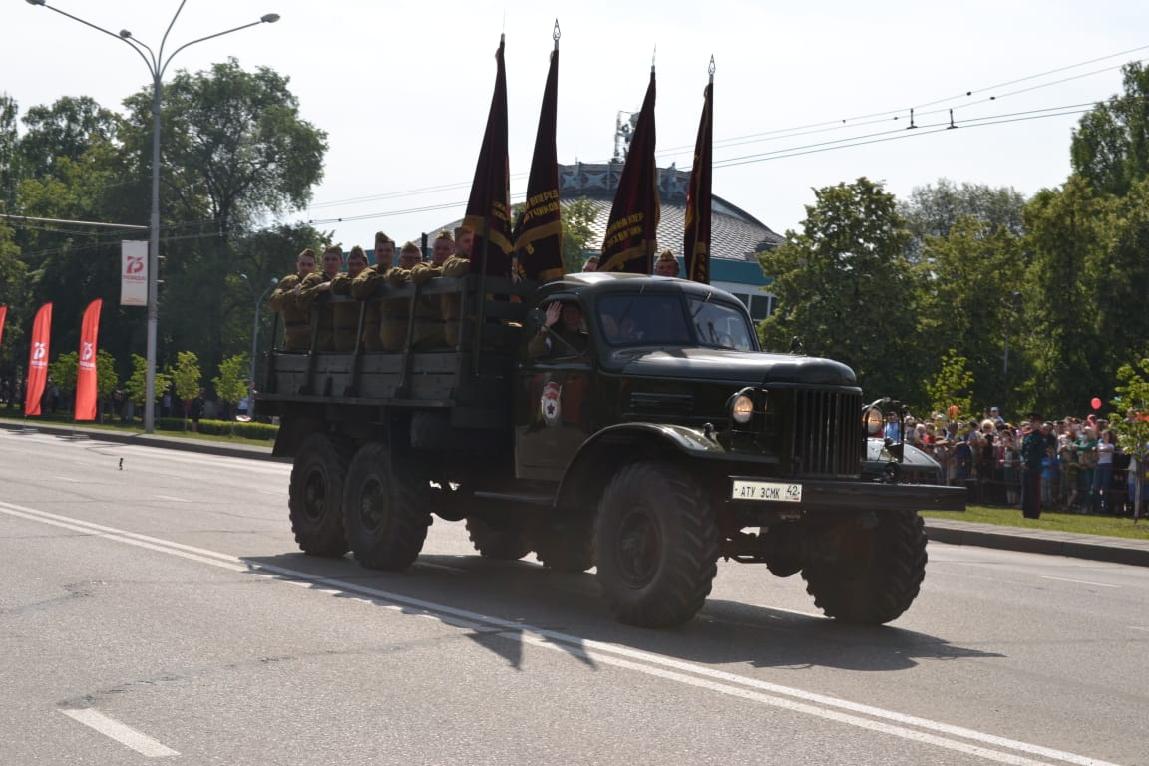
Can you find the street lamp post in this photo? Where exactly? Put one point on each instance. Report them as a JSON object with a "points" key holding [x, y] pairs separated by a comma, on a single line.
{"points": [[255, 339], [157, 65]]}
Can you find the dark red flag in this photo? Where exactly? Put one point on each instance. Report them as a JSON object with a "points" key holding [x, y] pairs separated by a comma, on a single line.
{"points": [[696, 239], [86, 393], [631, 238], [539, 230], [3, 316], [489, 207], [38, 360]]}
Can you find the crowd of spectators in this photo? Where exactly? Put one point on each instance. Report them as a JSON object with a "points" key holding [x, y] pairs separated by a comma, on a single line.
{"points": [[1083, 469]]}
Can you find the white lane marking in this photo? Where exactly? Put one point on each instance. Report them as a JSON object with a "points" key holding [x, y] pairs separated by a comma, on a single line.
{"points": [[122, 733], [772, 608], [171, 498], [1080, 582], [444, 567], [1138, 627], [649, 662], [69, 479]]}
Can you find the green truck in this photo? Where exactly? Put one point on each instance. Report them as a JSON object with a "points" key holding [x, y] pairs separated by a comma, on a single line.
{"points": [[627, 423]]}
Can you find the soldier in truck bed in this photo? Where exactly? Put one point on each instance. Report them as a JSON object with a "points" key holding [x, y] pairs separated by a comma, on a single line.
{"points": [[316, 284], [295, 319], [345, 316]]}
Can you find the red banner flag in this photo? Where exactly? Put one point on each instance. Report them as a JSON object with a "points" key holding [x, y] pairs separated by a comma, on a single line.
{"points": [[539, 231], [38, 360], [489, 206], [696, 239], [631, 237], [3, 316], [86, 393]]}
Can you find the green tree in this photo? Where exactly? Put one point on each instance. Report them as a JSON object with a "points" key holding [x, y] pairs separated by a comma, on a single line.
{"points": [[231, 383], [952, 385], [235, 150], [107, 381], [9, 152], [136, 384], [1110, 147], [13, 292], [934, 210], [1131, 421], [970, 284], [66, 129], [846, 288], [185, 378], [1067, 235], [577, 216], [64, 369]]}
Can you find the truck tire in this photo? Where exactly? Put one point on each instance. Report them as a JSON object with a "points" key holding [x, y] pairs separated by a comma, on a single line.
{"points": [[878, 575], [656, 544], [499, 543], [315, 495], [386, 522], [567, 547]]}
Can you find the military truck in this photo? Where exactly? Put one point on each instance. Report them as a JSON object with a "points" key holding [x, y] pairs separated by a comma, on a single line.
{"points": [[644, 434]]}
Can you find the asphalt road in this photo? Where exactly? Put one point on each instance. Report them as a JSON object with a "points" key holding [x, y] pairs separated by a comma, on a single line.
{"points": [[161, 610]]}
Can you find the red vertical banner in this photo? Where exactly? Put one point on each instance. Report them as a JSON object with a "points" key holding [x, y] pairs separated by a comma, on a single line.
{"points": [[3, 316], [86, 393], [38, 360], [631, 230]]}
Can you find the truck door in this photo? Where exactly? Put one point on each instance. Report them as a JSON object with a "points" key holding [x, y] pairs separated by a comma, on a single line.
{"points": [[552, 409]]}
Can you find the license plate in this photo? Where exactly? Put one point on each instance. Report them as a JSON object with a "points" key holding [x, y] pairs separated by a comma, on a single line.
{"points": [[774, 491]]}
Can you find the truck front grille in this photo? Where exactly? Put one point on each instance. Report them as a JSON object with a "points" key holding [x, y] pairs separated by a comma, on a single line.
{"points": [[827, 433]]}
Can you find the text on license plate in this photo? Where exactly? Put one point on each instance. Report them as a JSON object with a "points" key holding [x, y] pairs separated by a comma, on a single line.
{"points": [[776, 491]]}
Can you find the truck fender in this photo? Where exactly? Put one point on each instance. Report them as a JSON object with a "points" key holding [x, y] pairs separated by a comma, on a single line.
{"points": [[607, 450]]}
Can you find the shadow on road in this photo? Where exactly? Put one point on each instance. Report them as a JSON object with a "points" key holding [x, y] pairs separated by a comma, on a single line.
{"points": [[505, 604]]}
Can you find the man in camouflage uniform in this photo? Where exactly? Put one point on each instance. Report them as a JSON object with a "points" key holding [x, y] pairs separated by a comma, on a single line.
{"points": [[297, 335], [345, 315]]}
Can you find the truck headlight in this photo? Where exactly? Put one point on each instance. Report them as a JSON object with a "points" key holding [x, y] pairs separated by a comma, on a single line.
{"points": [[742, 408], [873, 421]]}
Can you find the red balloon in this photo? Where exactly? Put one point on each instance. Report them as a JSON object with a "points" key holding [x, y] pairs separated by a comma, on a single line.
{"points": [[1095, 403]]}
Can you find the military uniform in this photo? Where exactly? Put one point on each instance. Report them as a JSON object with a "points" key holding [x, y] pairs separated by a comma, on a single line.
{"points": [[455, 266], [344, 315], [365, 287], [305, 297], [297, 330], [394, 312], [428, 310]]}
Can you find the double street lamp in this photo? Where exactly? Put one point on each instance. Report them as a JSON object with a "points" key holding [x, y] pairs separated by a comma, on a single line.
{"points": [[157, 65]]}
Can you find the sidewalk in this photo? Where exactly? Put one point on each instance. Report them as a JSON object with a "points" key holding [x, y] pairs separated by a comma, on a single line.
{"points": [[1114, 550], [952, 531], [201, 446]]}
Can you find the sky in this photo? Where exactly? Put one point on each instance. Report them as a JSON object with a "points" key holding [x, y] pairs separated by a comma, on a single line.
{"points": [[402, 88]]}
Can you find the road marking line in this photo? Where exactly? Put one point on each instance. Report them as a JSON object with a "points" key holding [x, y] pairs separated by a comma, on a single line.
{"points": [[444, 567], [69, 479], [1081, 582], [646, 662], [1138, 627], [122, 733], [171, 498]]}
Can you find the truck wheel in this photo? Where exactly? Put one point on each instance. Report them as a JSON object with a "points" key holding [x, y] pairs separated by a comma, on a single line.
{"points": [[499, 543], [385, 520], [878, 572], [315, 496], [566, 546], [657, 545]]}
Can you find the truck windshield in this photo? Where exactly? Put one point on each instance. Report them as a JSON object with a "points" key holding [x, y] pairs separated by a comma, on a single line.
{"points": [[719, 325], [659, 320]]}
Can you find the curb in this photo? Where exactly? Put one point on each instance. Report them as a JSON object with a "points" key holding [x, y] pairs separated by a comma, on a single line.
{"points": [[149, 440], [1079, 547]]}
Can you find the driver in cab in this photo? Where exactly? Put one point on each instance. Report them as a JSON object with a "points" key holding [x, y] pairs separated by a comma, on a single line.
{"points": [[561, 334]]}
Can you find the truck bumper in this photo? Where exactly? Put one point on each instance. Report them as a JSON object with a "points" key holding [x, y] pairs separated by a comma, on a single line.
{"points": [[824, 495]]}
